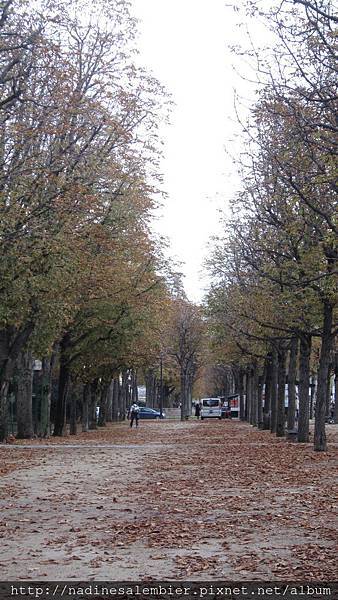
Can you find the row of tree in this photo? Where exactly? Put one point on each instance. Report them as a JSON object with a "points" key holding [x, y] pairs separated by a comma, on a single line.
{"points": [[271, 307], [84, 284]]}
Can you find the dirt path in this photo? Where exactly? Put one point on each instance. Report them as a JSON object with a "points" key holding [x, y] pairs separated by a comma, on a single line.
{"points": [[173, 500]]}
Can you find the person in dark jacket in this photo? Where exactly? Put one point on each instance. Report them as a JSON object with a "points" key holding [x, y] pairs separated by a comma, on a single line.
{"points": [[197, 410]]}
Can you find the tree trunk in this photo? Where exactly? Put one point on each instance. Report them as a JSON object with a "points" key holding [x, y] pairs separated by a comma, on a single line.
{"points": [[115, 402], [150, 381], [267, 394], [120, 400], [24, 396], [4, 410], [241, 395], [182, 395], [154, 392], [323, 372], [260, 401], [274, 388], [185, 392], [312, 395], [85, 407], [128, 393], [93, 404], [44, 394], [335, 413], [304, 380], [103, 405], [12, 343], [64, 379], [328, 393], [280, 417], [73, 409], [254, 396], [134, 388], [110, 391], [292, 373], [249, 394], [123, 397]]}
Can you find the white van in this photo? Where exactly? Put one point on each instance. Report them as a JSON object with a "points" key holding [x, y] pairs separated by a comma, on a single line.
{"points": [[211, 408]]}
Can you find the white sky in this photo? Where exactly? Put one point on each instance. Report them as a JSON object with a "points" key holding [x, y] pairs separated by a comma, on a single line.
{"points": [[184, 44]]}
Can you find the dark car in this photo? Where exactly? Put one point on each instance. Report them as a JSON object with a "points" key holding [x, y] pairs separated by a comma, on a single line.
{"points": [[150, 413]]}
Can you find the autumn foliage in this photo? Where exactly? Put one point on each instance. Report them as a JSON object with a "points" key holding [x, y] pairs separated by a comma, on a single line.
{"points": [[83, 278], [273, 295]]}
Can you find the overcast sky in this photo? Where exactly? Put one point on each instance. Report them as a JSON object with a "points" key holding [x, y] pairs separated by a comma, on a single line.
{"points": [[184, 43]]}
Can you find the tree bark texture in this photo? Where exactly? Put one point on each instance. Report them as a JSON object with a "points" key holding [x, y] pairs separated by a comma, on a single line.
{"points": [[43, 386], [292, 374], [280, 417], [64, 380], [134, 388], [93, 404], [304, 384], [150, 381], [328, 391], [115, 400], [254, 396], [267, 394], [123, 396], [184, 395], [24, 406], [12, 342], [313, 385], [260, 401], [73, 408], [241, 395], [248, 394], [4, 410], [274, 388], [335, 413], [110, 392], [85, 406], [102, 422], [320, 443]]}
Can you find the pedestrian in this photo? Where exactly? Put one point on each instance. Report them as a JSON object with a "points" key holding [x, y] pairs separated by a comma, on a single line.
{"points": [[134, 414], [197, 410]]}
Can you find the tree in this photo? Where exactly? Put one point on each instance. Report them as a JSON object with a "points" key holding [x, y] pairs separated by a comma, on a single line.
{"points": [[78, 135], [186, 334], [282, 233]]}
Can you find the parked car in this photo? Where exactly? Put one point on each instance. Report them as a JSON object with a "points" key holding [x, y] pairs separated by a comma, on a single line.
{"points": [[211, 408], [150, 413]]}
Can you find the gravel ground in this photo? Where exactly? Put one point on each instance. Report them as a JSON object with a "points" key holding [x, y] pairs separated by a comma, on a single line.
{"points": [[171, 500]]}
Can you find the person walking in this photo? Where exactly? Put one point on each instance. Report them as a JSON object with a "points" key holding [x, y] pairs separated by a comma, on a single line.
{"points": [[197, 410], [134, 414]]}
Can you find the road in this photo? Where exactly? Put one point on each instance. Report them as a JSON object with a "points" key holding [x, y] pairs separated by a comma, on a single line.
{"points": [[171, 500]]}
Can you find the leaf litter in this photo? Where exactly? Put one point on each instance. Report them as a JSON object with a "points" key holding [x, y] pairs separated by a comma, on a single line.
{"points": [[212, 499]]}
